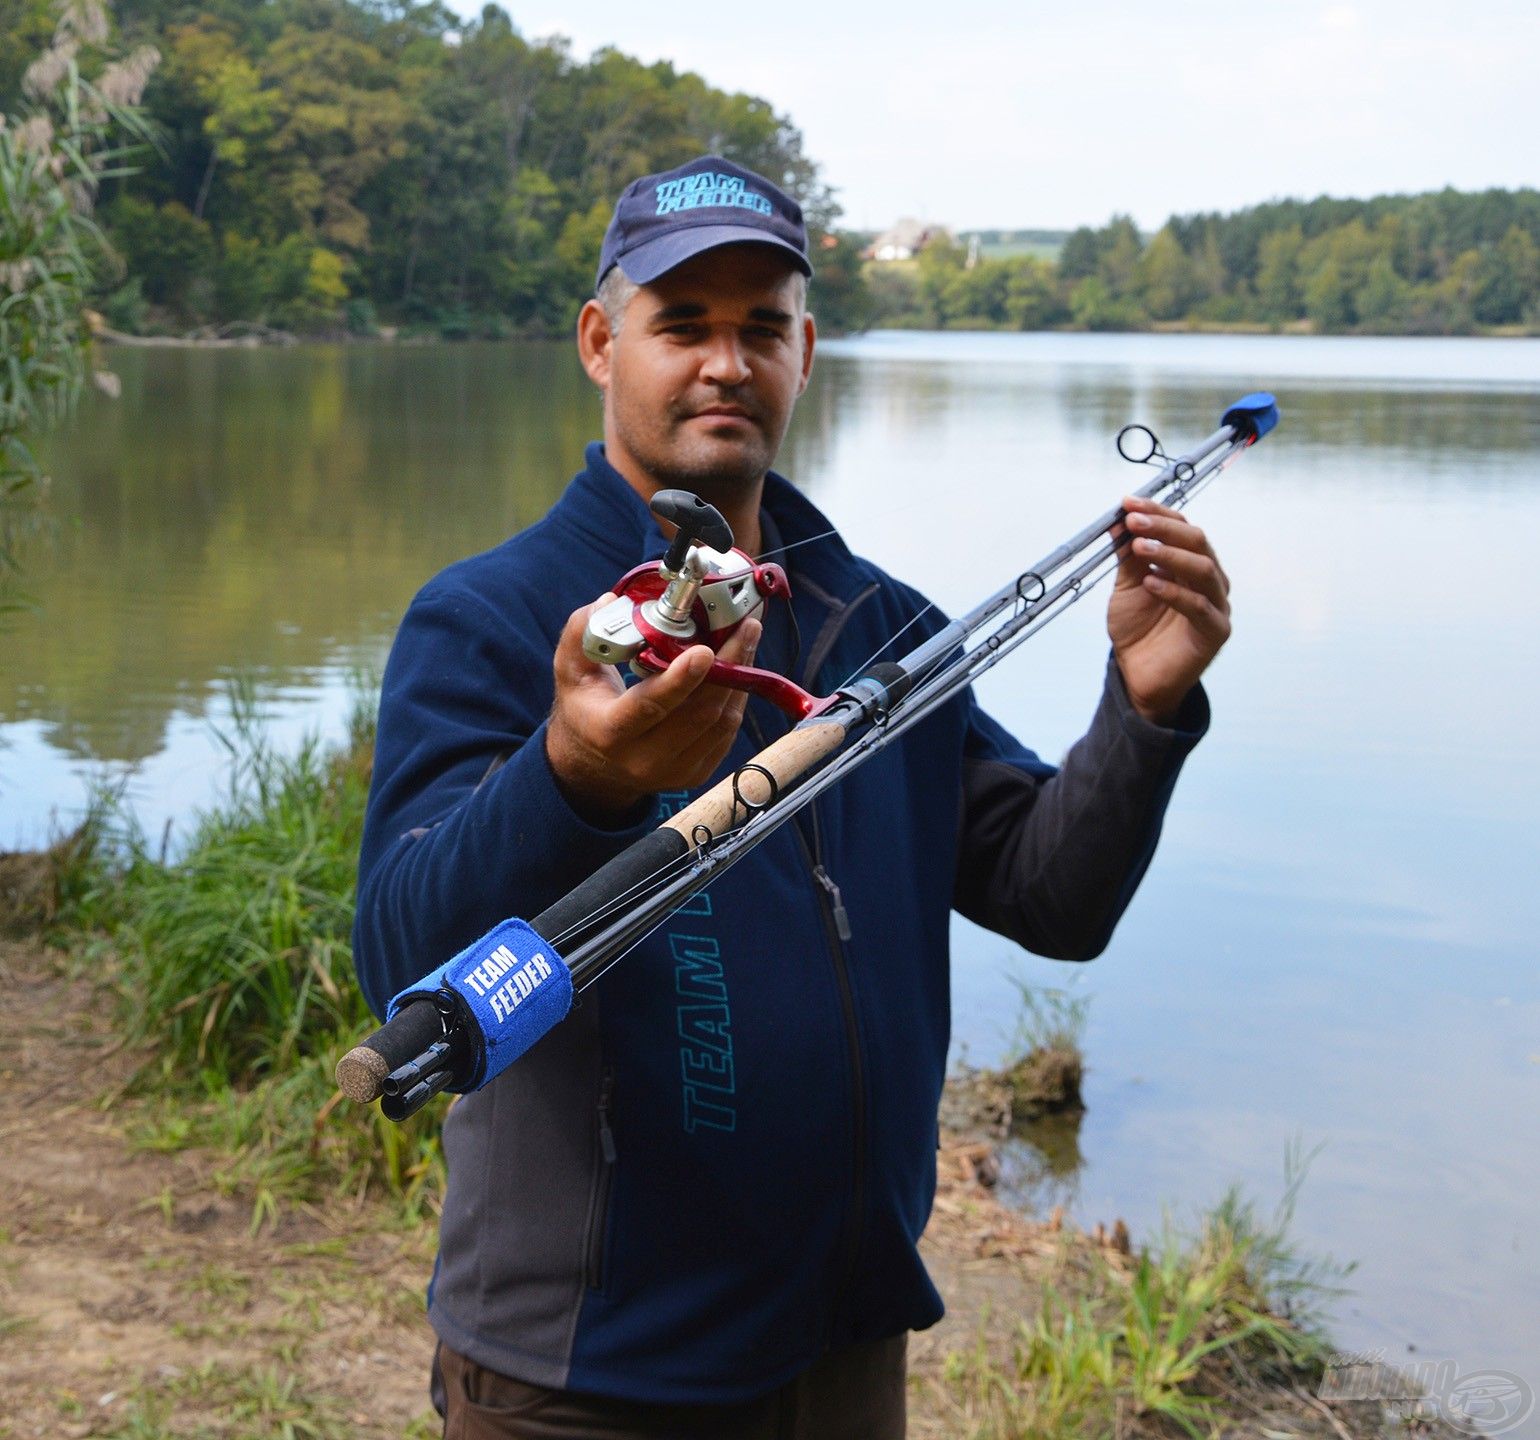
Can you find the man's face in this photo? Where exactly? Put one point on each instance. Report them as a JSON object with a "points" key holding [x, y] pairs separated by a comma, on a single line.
{"points": [[700, 381]]}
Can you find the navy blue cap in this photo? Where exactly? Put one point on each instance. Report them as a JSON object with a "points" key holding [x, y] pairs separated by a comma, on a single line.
{"points": [[661, 221]]}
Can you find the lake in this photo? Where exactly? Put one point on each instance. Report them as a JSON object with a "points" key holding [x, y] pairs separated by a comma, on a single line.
{"points": [[1336, 944]]}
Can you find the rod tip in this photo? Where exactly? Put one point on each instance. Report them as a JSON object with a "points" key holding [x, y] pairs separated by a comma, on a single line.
{"points": [[361, 1074]]}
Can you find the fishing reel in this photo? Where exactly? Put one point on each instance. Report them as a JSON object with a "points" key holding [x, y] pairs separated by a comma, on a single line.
{"points": [[699, 594]]}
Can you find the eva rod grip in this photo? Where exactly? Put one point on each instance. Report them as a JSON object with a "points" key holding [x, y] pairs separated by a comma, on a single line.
{"points": [[417, 1022], [362, 1071], [618, 881]]}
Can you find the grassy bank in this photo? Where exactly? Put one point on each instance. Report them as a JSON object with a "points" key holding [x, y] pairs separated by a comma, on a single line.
{"points": [[229, 970], [1191, 1333], [232, 969]]}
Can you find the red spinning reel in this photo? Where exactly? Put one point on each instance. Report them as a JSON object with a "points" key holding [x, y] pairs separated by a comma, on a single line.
{"points": [[699, 594]]}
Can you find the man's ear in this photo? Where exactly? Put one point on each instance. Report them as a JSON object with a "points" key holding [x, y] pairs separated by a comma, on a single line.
{"points": [[594, 339], [809, 336]]}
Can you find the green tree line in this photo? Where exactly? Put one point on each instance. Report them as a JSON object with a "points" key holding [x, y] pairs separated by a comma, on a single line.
{"points": [[1443, 263], [334, 163], [331, 164]]}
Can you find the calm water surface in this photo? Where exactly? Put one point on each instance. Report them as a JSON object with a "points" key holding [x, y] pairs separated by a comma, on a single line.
{"points": [[1337, 940]]}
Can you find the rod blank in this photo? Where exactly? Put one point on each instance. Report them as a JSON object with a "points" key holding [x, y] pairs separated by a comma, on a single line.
{"points": [[412, 1058]]}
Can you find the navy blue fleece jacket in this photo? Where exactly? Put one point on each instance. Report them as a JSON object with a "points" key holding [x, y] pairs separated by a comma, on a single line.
{"points": [[720, 1164]]}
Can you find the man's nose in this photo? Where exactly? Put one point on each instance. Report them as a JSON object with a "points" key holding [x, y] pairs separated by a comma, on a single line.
{"points": [[725, 362]]}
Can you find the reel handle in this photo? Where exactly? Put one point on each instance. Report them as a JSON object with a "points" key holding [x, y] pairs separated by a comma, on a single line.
{"points": [[698, 522]]}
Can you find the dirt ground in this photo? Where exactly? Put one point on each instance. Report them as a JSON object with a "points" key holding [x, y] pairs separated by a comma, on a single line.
{"points": [[137, 1301]]}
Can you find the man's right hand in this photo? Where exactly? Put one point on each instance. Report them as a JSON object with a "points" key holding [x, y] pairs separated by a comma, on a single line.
{"points": [[610, 745]]}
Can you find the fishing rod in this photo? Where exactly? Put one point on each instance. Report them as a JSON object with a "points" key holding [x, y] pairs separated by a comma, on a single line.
{"points": [[465, 1022]]}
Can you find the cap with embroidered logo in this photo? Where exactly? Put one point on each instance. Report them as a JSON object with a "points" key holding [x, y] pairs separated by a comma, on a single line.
{"points": [[661, 221]]}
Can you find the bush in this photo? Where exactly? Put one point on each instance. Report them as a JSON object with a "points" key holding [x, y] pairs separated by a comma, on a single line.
{"points": [[455, 324], [240, 279], [125, 308], [52, 162], [1147, 1342], [168, 250], [301, 284]]}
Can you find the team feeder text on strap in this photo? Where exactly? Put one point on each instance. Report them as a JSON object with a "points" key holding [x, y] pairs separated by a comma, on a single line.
{"points": [[464, 1023]]}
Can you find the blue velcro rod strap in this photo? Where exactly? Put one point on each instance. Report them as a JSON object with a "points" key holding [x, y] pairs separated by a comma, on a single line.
{"points": [[508, 989], [1253, 414]]}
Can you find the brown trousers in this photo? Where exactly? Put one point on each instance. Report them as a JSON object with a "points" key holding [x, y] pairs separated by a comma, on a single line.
{"points": [[854, 1394]]}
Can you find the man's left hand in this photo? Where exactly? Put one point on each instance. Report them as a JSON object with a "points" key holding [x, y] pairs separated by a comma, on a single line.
{"points": [[1170, 608]]}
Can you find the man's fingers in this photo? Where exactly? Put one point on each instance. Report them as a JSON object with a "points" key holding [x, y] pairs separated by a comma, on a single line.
{"points": [[700, 727], [650, 703], [1199, 572], [1172, 529], [716, 701], [1207, 618], [1132, 567], [671, 724], [1142, 504], [742, 643], [703, 751]]}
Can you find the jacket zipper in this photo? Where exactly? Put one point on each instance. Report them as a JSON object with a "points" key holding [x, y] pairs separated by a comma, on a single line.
{"points": [[836, 902], [597, 1224], [836, 927], [836, 924]]}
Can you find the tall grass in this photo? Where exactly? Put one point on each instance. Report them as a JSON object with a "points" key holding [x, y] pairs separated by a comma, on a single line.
{"points": [[233, 966], [1166, 1341], [237, 956]]}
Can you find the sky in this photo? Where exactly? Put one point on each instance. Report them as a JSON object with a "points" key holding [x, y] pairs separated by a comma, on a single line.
{"points": [[1021, 115]]}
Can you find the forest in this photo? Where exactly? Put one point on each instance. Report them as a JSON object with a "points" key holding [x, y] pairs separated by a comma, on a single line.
{"points": [[335, 166], [1443, 263]]}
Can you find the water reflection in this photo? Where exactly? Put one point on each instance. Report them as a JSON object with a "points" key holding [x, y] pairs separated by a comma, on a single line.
{"points": [[271, 512], [1041, 1163]]}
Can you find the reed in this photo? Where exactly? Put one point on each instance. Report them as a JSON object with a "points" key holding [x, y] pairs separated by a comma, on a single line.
{"points": [[70, 135]]}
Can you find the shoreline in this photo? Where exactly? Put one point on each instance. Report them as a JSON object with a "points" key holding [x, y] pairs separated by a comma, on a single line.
{"points": [[278, 339], [173, 1294]]}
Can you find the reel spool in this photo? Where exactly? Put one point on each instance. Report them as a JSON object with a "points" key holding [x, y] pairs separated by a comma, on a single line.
{"points": [[699, 594]]}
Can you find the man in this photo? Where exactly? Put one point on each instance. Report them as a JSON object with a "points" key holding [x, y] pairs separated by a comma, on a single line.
{"points": [[693, 1208]]}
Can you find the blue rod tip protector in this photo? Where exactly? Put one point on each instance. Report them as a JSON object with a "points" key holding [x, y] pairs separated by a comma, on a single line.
{"points": [[1253, 414], [508, 989]]}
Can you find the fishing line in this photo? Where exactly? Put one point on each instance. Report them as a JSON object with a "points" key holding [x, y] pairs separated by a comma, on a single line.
{"points": [[908, 625], [928, 696], [857, 720], [835, 530], [795, 544], [678, 864]]}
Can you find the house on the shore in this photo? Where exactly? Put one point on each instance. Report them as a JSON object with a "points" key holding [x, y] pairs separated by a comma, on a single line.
{"points": [[904, 240]]}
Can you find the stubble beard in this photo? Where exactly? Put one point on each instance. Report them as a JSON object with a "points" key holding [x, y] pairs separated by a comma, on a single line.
{"points": [[721, 472]]}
